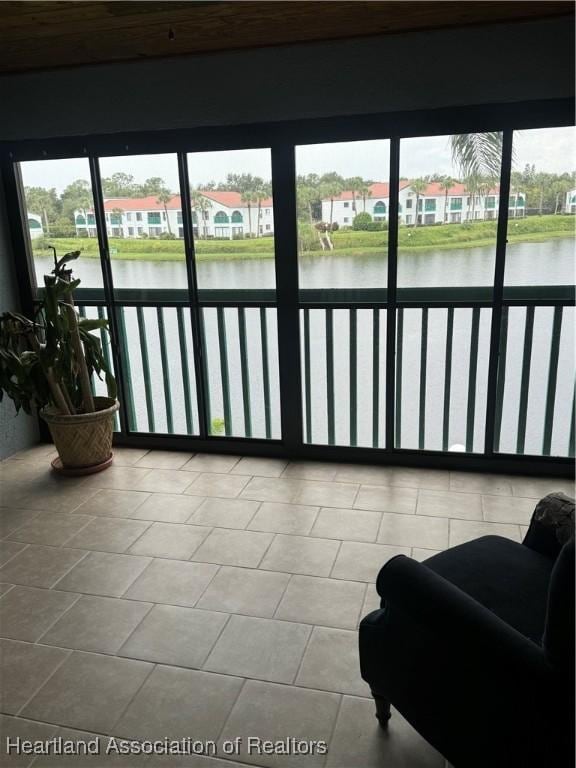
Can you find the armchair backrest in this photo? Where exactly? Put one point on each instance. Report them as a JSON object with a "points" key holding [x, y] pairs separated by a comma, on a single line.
{"points": [[558, 640]]}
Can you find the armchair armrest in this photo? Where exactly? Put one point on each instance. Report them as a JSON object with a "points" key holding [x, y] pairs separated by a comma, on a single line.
{"points": [[552, 525], [456, 620]]}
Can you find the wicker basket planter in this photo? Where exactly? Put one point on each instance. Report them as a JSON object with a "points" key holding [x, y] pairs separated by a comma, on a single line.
{"points": [[84, 439]]}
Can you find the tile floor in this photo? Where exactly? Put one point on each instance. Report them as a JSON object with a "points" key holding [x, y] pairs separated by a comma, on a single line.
{"points": [[217, 596]]}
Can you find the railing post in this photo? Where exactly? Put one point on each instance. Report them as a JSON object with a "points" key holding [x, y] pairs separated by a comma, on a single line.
{"points": [[286, 262]]}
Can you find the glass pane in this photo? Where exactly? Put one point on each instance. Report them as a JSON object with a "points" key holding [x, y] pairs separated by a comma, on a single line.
{"points": [[233, 218], [448, 210], [542, 205], [60, 213], [343, 201], [143, 208], [444, 354]]}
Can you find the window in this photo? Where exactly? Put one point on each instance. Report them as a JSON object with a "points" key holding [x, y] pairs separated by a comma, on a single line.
{"points": [[222, 232], [236, 217], [346, 219], [57, 198], [455, 218], [268, 227], [179, 217], [138, 217], [130, 231], [379, 208], [430, 205], [154, 231], [116, 219], [164, 215], [154, 218], [140, 231], [409, 217], [409, 202], [429, 218], [128, 216], [346, 205], [455, 203], [91, 220], [221, 218], [267, 211], [491, 201]]}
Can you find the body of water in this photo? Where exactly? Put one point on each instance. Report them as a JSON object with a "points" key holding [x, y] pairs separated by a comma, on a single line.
{"points": [[546, 263]]}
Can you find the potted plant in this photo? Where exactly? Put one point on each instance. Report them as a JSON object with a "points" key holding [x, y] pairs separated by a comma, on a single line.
{"points": [[47, 364]]}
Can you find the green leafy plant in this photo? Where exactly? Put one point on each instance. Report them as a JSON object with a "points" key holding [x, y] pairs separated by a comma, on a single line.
{"points": [[50, 359]]}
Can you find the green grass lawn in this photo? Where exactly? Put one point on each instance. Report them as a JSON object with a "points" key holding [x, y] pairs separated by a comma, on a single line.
{"points": [[349, 243]]}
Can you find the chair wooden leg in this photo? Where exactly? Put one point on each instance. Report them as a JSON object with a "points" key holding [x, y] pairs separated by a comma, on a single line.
{"points": [[382, 709]]}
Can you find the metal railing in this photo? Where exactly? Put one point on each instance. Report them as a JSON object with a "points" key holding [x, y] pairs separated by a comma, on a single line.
{"points": [[440, 366]]}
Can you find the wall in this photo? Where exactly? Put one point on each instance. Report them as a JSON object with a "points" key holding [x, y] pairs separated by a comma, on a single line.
{"points": [[16, 432], [474, 65]]}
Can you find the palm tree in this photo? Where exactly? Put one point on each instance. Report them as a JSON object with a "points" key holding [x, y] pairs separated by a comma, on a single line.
{"points": [[200, 205], [249, 197], [163, 198], [262, 190], [419, 186], [446, 183], [364, 191], [472, 184], [478, 154], [354, 184]]}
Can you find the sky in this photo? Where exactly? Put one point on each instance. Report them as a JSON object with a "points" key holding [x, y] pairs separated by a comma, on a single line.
{"points": [[552, 150]]}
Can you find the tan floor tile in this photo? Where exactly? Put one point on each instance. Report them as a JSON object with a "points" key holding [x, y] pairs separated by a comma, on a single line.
{"points": [[423, 554], [352, 524], [300, 554], [311, 470], [193, 702], [223, 486], [101, 573], [332, 663], [5, 588], [12, 519], [359, 741], [173, 582], [175, 635], [99, 624], [166, 481], [474, 482], [259, 467], [88, 691], [164, 459], [225, 513], [362, 473], [12, 728], [467, 506], [211, 462], [26, 613], [538, 487], [414, 531], [387, 499], [108, 534], [500, 509], [272, 489], [371, 601], [357, 561], [284, 518], [24, 471], [127, 457], [36, 452], [111, 760], [410, 477], [23, 669], [50, 529], [467, 530], [40, 566], [326, 602], [111, 503], [118, 478], [9, 549], [168, 508], [326, 494], [270, 711], [48, 494], [231, 547], [245, 591], [262, 649], [170, 540]]}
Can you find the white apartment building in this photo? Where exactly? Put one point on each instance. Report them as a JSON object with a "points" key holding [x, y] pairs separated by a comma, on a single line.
{"points": [[35, 226], [219, 214], [435, 205], [570, 203]]}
